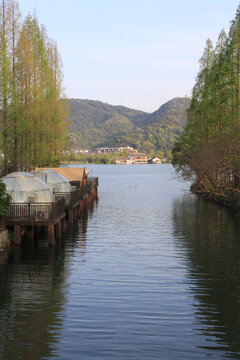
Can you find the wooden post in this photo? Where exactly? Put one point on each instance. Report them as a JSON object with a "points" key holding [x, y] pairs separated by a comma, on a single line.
{"points": [[36, 231], [50, 234], [63, 225], [51, 255], [17, 235], [58, 230], [30, 232], [89, 197], [17, 254], [75, 214], [81, 204], [70, 216]]}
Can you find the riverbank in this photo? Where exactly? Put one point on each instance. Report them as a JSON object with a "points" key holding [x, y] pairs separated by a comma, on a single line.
{"points": [[224, 196]]}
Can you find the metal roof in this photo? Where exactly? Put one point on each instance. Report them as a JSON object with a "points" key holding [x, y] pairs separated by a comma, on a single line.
{"points": [[71, 174]]}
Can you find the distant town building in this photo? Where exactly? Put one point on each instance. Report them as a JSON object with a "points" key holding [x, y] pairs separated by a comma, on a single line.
{"points": [[109, 150], [123, 160], [139, 158], [155, 160], [82, 151]]}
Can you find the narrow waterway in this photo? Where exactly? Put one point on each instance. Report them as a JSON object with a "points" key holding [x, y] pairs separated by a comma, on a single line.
{"points": [[149, 272]]}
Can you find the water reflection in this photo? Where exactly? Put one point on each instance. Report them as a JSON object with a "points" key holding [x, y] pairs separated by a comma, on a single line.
{"points": [[208, 235], [33, 290]]}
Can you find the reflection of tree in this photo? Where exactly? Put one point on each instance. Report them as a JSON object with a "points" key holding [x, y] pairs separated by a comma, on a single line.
{"points": [[34, 298], [209, 235], [32, 295]]}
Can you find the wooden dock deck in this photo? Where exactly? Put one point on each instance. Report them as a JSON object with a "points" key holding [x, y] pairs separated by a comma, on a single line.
{"points": [[34, 215]]}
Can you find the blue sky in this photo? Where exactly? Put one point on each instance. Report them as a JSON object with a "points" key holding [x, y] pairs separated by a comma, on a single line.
{"points": [[137, 53]]}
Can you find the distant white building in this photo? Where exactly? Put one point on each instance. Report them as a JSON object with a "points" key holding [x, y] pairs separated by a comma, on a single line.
{"points": [[82, 151], [156, 160], [109, 150], [125, 161]]}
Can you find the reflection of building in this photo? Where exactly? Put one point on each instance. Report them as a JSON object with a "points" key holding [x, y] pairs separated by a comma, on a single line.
{"points": [[32, 303], [33, 299]]}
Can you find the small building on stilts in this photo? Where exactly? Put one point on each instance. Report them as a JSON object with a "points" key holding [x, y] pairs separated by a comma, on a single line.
{"points": [[61, 187], [33, 205], [79, 179]]}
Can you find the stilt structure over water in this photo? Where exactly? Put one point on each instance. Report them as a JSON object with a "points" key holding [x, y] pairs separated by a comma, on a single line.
{"points": [[38, 203], [78, 178], [61, 187], [33, 205]]}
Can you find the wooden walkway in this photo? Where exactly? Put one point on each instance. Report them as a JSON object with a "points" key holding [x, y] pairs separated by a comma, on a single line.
{"points": [[33, 216]]}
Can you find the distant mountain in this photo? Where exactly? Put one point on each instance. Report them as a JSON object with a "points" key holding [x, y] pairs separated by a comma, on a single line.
{"points": [[162, 127], [95, 124]]}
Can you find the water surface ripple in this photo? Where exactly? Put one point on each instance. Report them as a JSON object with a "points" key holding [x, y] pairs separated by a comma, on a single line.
{"points": [[149, 272]]}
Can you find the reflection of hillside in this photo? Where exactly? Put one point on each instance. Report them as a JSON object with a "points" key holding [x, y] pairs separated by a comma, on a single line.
{"points": [[209, 235], [32, 295]]}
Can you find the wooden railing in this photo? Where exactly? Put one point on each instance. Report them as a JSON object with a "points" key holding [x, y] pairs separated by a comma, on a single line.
{"points": [[94, 180], [71, 198], [227, 177], [25, 212], [92, 183], [82, 188]]}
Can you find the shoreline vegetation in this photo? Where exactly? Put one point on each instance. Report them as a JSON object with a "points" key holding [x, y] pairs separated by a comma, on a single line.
{"points": [[208, 149], [108, 158], [33, 109], [32, 105], [229, 198]]}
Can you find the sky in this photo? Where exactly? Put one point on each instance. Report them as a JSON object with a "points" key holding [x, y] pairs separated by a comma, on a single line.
{"points": [[136, 53]]}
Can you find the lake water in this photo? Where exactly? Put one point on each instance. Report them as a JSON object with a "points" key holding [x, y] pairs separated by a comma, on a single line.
{"points": [[149, 272]]}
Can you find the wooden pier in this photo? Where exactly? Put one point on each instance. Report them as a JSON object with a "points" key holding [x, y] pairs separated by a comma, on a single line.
{"points": [[87, 186], [71, 203], [32, 216]]}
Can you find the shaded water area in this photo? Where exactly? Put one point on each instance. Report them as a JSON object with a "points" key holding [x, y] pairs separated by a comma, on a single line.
{"points": [[149, 272]]}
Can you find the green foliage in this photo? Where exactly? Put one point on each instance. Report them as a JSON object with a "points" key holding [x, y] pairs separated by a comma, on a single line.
{"points": [[95, 124], [32, 113], [5, 199], [93, 114], [209, 146]]}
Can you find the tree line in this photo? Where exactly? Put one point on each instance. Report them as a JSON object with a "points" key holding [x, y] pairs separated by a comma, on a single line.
{"points": [[32, 112], [209, 147]]}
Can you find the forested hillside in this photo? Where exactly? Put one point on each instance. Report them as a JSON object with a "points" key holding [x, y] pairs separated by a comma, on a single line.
{"points": [[209, 146], [97, 124], [162, 127]]}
